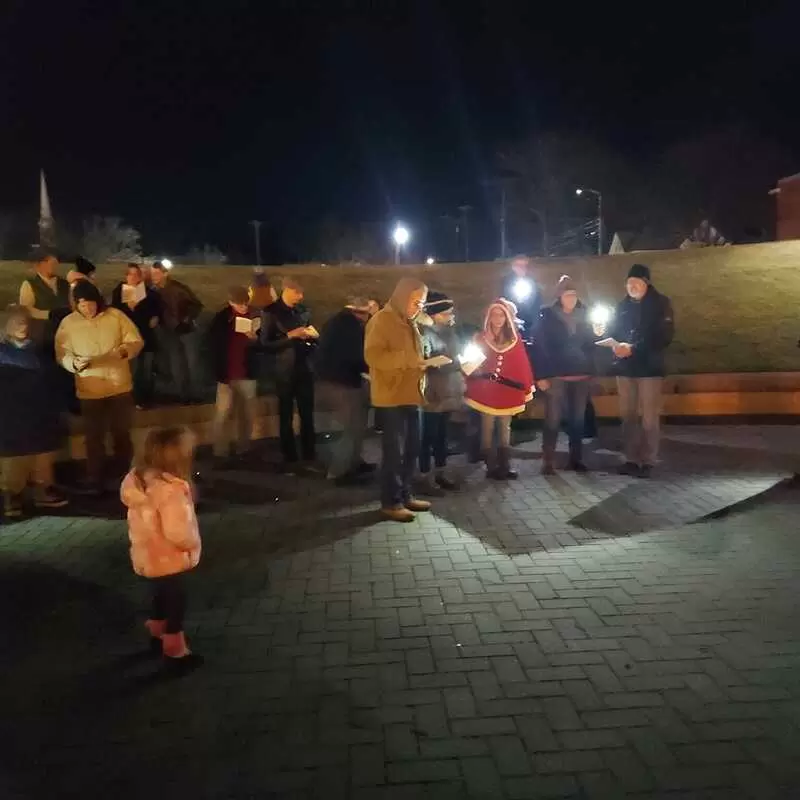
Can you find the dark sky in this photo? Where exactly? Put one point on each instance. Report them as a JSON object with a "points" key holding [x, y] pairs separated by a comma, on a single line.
{"points": [[191, 118]]}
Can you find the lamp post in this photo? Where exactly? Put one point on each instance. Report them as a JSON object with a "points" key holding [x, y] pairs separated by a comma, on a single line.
{"points": [[400, 236], [599, 197]]}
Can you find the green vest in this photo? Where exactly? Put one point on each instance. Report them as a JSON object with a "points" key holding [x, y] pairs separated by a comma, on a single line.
{"points": [[46, 299]]}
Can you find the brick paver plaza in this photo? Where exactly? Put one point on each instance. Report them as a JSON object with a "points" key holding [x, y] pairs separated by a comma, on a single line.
{"points": [[563, 637]]}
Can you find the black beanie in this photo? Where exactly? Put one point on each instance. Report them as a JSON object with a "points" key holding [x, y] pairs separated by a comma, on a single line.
{"points": [[438, 302], [639, 271], [84, 266], [84, 290]]}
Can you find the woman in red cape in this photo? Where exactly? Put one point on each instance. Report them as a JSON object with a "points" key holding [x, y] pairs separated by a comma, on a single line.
{"points": [[500, 386]]}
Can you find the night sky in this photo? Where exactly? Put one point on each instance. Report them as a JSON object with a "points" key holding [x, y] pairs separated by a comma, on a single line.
{"points": [[191, 118]]}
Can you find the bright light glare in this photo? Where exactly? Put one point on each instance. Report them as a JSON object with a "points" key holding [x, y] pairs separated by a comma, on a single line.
{"points": [[472, 353], [579, 192], [401, 235], [430, 260], [523, 289], [600, 315], [166, 263]]}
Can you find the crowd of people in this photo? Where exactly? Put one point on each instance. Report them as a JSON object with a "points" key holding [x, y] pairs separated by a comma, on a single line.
{"points": [[409, 360]]}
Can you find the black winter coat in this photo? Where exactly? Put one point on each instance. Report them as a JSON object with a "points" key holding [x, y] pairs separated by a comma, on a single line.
{"points": [[291, 355], [648, 325], [29, 407], [557, 353], [217, 339], [141, 314], [340, 355]]}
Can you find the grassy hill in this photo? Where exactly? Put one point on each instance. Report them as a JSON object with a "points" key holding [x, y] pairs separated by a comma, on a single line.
{"points": [[736, 308]]}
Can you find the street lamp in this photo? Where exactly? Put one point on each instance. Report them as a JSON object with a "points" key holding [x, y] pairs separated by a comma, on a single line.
{"points": [[599, 197], [400, 235], [430, 261]]}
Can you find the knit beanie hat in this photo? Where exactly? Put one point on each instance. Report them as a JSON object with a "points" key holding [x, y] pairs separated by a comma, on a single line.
{"points": [[639, 271], [84, 290], [438, 302], [565, 284], [84, 266]]}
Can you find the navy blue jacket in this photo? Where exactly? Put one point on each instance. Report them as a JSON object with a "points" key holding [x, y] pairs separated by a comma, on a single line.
{"points": [[30, 421], [340, 353], [647, 324], [557, 353]]}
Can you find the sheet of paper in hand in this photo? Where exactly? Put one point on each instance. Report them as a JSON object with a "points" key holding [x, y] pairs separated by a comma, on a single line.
{"points": [[437, 361], [247, 325], [133, 294], [609, 342], [312, 332]]}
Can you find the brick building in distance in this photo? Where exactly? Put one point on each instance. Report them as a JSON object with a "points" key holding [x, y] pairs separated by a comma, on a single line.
{"points": [[787, 196]]}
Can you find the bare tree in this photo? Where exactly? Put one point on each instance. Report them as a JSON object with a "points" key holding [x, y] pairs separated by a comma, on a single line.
{"points": [[207, 254], [107, 239]]}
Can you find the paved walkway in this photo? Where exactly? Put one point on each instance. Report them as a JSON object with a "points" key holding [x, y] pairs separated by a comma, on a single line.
{"points": [[565, 637]]}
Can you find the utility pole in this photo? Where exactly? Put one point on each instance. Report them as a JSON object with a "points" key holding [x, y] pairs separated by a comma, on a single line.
{"points": [[502, 183], [465, 209], [257, 233]]}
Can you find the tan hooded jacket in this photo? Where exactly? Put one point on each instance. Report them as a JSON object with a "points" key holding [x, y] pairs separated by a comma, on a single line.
{"points": [[393, 352]]}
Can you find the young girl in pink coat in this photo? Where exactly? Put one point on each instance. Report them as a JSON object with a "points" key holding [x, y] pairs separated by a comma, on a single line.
{"points": [[164, 536]]}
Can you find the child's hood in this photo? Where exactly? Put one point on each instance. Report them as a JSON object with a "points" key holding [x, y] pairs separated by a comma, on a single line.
{"points": [[138, 489]]}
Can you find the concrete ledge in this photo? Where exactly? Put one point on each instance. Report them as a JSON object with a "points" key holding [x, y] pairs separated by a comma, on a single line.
{"points": [[712, 395]]}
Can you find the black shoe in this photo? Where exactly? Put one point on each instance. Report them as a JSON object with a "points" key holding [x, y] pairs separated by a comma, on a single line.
{"points": [[178, 667], [474, 458], [629, 468], [645, 472], [50, 498], [365, 468], [578, 466]]}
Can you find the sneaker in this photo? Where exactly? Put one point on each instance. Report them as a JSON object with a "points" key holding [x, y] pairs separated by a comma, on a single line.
{"points": [[412, 504], [629, 468], [398, 514], [50, 498], [12, 506], [445, 483], [646, 471]]}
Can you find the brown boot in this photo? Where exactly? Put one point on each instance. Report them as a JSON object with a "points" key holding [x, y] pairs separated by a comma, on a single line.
{"points": [[412, 504], [398, 514]]}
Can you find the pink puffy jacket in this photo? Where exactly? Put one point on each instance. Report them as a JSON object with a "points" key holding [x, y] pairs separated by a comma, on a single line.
{"points": [[162, 525]]}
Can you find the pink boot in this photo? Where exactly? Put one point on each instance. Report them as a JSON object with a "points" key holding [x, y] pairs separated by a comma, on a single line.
{"points": [[174, 645], [178, 658], [156, 627]]}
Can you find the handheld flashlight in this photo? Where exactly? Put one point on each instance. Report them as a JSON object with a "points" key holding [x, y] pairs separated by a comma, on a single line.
{"points": [[600, 315], [523, 289], [471, 354]]}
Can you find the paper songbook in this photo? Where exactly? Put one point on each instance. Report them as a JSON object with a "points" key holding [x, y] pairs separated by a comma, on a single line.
{"points": [[247, 325]]}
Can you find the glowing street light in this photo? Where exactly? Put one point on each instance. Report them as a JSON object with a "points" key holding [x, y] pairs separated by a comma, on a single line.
{"points": [[430, 261], [400, 235]]}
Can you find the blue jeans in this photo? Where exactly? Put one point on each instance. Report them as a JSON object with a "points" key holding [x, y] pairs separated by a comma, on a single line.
{"points": [[400, 453], [434, 440]]}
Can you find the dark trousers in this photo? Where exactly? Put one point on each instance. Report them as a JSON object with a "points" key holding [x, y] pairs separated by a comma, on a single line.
{"points": [[112, 415], [400, 452], [143, 372], [169, 601], [180, 357], [434, 440], [297, 389], [590, 421], [565, 400]]}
